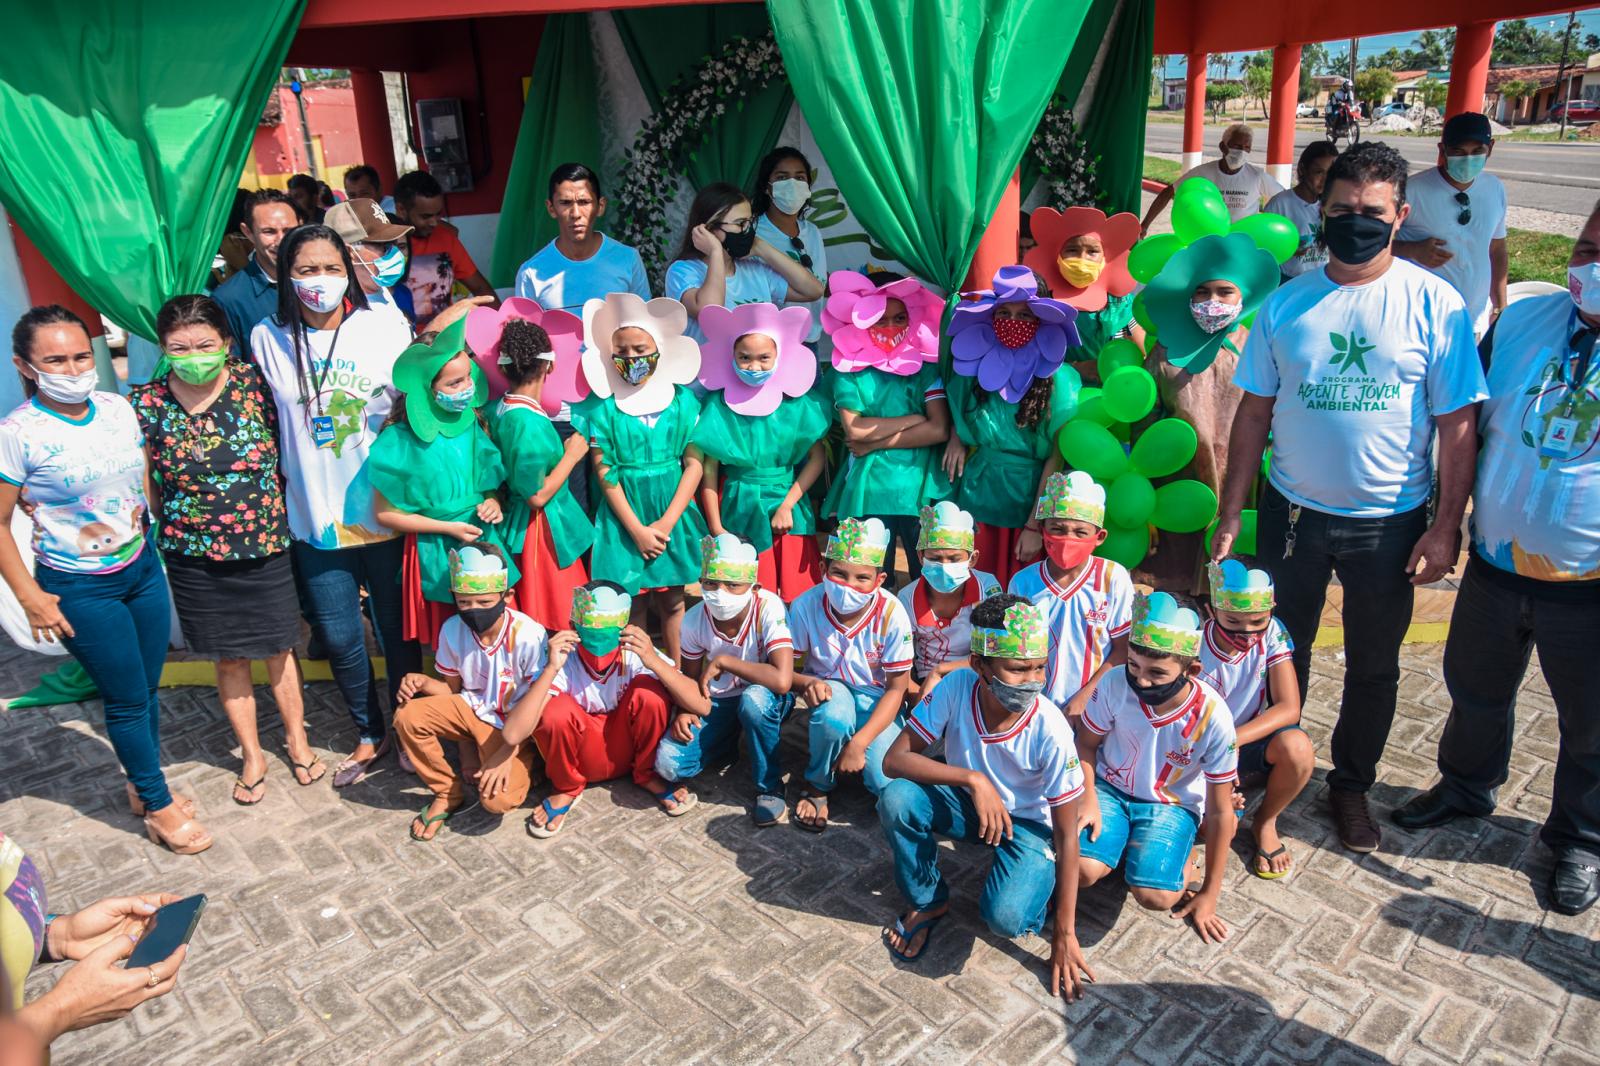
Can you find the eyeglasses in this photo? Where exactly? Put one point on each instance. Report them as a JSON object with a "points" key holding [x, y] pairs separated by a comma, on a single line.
{"points": [[742, 226], [800, 246], [1466, 209]]}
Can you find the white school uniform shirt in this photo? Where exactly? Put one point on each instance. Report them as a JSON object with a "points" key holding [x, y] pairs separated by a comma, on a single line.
{"points": [[1240, 677], [1434, 213], [765, 627], [861, 655], [598, 693], [1307, 219], [1083, 618], [1243, 191], [1033, 765], [493, 678], [942, 640], [1170, 759]]}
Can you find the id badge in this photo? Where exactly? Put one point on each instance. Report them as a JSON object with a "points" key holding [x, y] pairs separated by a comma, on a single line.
{"points": [[1559, 438], [322, 434]]}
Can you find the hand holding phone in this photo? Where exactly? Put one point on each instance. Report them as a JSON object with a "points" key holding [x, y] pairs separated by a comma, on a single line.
{"points": [[167, 930]]}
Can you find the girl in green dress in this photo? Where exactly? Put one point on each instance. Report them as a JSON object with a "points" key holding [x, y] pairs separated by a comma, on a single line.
{"points": [[638, 419], [1082, 257]]}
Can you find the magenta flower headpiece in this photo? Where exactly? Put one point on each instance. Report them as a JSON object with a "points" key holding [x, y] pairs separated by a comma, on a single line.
{"points": [[564, 383], [794, 370], [999, 366], [855, 306]]}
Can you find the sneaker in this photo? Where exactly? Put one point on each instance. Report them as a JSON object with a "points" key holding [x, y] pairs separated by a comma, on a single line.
{"points": [[1358, 830]]}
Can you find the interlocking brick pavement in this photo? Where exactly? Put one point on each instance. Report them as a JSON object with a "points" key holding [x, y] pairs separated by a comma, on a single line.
{"points": [[633, 938]]}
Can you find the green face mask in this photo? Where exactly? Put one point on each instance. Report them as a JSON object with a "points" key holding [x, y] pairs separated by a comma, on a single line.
{"points": [[599, 640], [197, 368]]}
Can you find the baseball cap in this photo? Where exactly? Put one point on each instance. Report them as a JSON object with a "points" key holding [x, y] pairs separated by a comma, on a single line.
{"points": [[1468, 126], [363, 220]]}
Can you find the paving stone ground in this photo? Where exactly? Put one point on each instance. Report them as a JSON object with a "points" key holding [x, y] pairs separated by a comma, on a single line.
{"points": [[331, 937]]}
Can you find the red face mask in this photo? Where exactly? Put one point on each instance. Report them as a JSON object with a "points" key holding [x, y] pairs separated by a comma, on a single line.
{"points": [[599, 664], [886, 337], [1242, 641], [1068, 553], [1015, 332]]}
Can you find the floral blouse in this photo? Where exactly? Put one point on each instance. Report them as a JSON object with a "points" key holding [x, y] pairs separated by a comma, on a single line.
{"points": [[217, 470]]}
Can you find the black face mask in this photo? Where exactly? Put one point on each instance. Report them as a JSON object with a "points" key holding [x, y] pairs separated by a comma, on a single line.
{"points": [[481, 619], [738, 245], [1156, 695], [1355, 239]]}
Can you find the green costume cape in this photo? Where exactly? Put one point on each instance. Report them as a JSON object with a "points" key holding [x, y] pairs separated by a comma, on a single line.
{"points": [[761, 456], [1001, 481], [892, 481], [1096, 328], [531, 448]]}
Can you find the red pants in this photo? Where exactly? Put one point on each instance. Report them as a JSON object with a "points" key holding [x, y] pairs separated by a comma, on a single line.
{"points": [[579, 747], [997, 547], [791, 566]]}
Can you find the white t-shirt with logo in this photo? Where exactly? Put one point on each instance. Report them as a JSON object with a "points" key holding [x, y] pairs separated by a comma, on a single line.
{"points": [[1359, 373], [1083, 618], [493, 678], [1170, 759], [765, 627], [752, 283], [1240, 677], [811, 238], [1435, 212], [942, 640], [1307, 219], [86, 480], [328, 417], [598, 693], [862, 654], [1033, 765], [1243, 191]]}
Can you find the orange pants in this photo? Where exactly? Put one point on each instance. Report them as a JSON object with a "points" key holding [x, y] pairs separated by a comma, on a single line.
{"points": [[426, 720], [579, 747]]}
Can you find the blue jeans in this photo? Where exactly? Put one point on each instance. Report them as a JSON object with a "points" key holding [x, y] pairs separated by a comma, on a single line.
{"points": [[1022, 877], [121, 622], [1154, 837], [716, 738], [833, 724], [333, 580]]}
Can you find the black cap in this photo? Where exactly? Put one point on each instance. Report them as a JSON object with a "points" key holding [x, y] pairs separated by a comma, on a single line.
{"points": [[1468, 126]]}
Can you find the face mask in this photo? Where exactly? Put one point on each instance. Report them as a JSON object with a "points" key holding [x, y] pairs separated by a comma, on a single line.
{"points": [[723, 604], [1080, 273], [454, 402], [1156, 695], [790, 195], [886, 338], [67, 388], [1355, 239], [389, 267], [753, 377], [1235, 157], [1214, 316], [1583, 282], [197, 368], [844, 599], [738, 245], [1015, 698], [1068, 552], [481, 619], [1015, 332], [1242, 641], [946, 577], [598, 640], [1464, 168], [634, 368], [321, 294]]}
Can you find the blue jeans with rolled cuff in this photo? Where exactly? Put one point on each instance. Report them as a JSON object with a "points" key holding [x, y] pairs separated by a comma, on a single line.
{"points": [[716, 738], [1154, 838], [833, 723]]}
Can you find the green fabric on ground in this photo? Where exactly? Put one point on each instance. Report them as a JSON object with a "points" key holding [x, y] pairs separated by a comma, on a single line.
{"points": [[68, 683]]}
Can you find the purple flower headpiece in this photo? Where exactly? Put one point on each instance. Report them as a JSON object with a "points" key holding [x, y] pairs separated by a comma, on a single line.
{"points": [[1005, 365]]}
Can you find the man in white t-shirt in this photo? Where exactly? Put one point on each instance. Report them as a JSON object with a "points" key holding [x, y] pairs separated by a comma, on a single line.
{"points": [[1244, 186], [1355, 369], [1457, 225]]}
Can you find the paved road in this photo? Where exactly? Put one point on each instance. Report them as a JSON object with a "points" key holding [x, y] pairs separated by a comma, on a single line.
{"points": [[1549, 177]]}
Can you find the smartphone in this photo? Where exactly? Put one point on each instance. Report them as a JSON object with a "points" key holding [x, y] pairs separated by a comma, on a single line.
{"points": [[168, 929]]}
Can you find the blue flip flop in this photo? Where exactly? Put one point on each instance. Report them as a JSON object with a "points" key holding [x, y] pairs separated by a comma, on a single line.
{"points": [[907, 935], [680, 807], [544, 832]]}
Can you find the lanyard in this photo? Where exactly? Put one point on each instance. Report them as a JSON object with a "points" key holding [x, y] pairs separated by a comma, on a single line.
{"points": [[1576, 367], [310, 371]]}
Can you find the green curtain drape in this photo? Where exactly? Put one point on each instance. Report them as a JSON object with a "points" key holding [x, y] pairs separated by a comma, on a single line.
{"points": [[1114, 127], [664, 43], [1097, 21], [923, 109], [124, 128], [560, 124]]}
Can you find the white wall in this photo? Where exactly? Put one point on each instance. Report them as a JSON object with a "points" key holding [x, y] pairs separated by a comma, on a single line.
{"points": [[13, 302]]}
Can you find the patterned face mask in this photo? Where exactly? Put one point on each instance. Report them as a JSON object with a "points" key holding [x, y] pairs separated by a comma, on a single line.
{"points": [[634, 368], [887, 337], [1214, 316], [1015, 332]]}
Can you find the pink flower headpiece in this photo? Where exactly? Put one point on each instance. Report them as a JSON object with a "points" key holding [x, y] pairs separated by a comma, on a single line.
{"points": [[856, 304], [564, 383], [1117, 234], [794, 370]]}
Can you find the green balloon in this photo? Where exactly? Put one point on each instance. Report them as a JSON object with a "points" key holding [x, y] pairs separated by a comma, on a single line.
{"points": [[1266, 463], [1184, 506], [1129, 393], [1121, 430], [1272, 233], [1141, 315], [1164, 448], [1092, 408], [1146, 258], [1245, 542], [1088, 446], [1130, 501], [1201, 214], [1118, 354], [1127, 545]]}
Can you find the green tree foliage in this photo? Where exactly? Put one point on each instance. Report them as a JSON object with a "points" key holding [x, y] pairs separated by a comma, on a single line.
{"points": [[1258, 79], [1375, 86], [1219, 93]]}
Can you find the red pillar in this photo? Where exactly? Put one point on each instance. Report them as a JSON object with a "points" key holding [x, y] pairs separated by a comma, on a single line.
{"points": [[1280, 129], [998, 247], [372, 124], [45, 286], [1194, 110], [1469, 67]]}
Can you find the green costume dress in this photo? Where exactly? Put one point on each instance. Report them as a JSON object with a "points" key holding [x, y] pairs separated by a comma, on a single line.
{"points": [[1096, 328], [1001, 481], [531, 448], [444, 479], [647, 461], [760, 456], [893, 481]]}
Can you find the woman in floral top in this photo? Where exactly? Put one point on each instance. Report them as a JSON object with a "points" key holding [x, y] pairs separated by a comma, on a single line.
{"points": [[211, 434]]}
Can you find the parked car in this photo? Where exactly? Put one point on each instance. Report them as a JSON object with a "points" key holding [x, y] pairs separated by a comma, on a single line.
{"points": [[1393, 107], [1577, 111], [1304, 110]]}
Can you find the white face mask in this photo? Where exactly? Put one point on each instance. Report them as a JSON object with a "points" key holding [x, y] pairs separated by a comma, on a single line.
{"points": [[1235, 157], [723, 604], [322, 293], [790, 195], [67, 388], [844, 599], [1583, 282]]}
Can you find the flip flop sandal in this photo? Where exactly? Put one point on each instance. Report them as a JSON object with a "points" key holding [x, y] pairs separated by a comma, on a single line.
{"points": [[442, 817], [544, 832], [1270, 874], [680, 807], [353, 771], [307, 768], [249, 789], [907, 935], [820, 804], [768, 810]]}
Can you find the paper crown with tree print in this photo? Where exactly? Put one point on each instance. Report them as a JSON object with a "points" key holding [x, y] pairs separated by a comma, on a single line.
{"points": [[944, 525], [474, 571], [1073, 496], [1160, 624], [858, 540], [727, 558], [600, 608], [1235, 587], [1024, 635]]}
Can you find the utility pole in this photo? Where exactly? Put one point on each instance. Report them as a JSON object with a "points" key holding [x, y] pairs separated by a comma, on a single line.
{"points": [[1353, 41], [297, 86], [1561, 73]]}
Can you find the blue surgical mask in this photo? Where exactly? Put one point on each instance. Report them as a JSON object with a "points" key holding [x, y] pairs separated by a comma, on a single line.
{"points": [[1465, 168], [390, 267], [946, 577], [752, 377], [454, 402]]}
